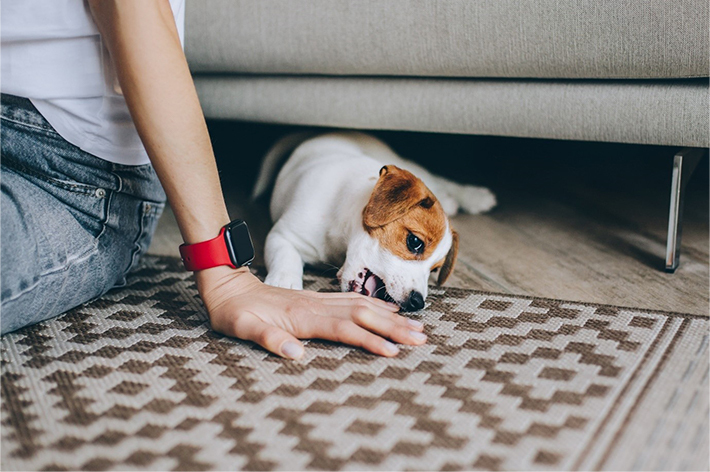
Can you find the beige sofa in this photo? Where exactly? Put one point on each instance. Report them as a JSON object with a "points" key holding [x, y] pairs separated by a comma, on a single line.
{"points": [[629, 71]]}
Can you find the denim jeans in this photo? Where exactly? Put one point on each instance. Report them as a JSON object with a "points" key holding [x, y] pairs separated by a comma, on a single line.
{"points": [[72, 224]]}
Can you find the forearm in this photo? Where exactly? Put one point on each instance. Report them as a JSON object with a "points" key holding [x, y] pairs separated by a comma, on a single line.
{"points": [[143, 42], [144, 45]]}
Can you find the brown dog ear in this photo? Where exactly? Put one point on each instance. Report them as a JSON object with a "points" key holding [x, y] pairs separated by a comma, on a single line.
{"points": [[395, 193], [450, 260]]}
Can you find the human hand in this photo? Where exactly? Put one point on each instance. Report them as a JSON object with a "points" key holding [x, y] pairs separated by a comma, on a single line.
{"points": [[241, 306]]}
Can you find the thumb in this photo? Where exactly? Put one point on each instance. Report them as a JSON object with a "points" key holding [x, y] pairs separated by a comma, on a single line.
{"points": [[271, 338]]}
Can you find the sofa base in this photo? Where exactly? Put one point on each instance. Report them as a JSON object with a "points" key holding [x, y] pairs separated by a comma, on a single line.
{"points": [[672, 113]]}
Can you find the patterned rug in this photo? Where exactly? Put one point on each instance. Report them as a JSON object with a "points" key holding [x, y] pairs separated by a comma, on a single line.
{"points": [[136, 380]]}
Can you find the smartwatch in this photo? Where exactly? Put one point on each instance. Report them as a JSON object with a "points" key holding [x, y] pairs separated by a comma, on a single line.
{"points": [[232, 247]]}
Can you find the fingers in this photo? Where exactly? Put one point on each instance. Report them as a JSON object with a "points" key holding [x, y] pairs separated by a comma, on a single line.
{"points": [[363, 315], [271, 338], [381, 307], [393, 307], [365, 328], [350, 304], [346, 308], [397, 330], [347, 332]]}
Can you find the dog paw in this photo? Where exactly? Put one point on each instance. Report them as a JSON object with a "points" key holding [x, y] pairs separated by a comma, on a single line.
{"points": [[474, 200], [284, 280], [448, 204]]}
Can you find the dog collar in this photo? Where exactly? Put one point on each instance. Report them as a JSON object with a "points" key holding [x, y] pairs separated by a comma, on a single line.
{"points": [[232, 247]]}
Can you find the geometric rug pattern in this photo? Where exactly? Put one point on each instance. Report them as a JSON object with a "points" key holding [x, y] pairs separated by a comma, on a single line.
{"points": [[136, 380]]}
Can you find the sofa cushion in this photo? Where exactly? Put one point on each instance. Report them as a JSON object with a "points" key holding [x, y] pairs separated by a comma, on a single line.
{"points": [[451, 38], [645, 112]]}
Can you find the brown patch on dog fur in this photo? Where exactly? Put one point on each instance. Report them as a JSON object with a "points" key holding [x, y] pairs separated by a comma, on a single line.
{"points": [[400, 203], [448, 266]]}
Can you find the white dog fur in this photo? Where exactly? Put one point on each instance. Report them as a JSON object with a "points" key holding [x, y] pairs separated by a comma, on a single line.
{"points": [[317, 208]]}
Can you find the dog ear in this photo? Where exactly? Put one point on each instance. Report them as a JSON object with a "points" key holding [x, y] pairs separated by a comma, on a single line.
{"points": [[450, 260], [396, 192]]}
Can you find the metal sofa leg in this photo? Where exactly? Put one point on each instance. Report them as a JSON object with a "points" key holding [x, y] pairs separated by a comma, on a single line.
{"points": [[684, 163]]}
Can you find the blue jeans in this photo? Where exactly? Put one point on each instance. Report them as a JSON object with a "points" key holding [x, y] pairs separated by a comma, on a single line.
{"points": [[73, 225]]}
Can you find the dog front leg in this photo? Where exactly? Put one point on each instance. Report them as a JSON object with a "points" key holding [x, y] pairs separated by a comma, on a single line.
{"points": [[283, 262]]}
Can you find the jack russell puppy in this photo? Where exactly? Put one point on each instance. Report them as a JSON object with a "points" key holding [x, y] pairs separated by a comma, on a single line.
{"points": [[348, 200]]}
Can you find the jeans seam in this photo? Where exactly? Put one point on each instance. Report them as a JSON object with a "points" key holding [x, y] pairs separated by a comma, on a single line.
{"points": [[109, 201], [51, 131], [69, 262], [136, 243], [77, 187], [104, 222], [118, 177]]}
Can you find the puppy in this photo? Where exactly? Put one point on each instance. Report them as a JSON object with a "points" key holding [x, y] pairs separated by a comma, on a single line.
{"points": [[346, 199]]}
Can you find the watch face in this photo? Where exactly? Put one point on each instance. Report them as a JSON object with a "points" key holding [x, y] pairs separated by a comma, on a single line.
{"points": [[239, 245]]}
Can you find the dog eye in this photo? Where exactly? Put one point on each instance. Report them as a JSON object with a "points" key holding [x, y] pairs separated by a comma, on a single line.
{"points": [[414, 244]]}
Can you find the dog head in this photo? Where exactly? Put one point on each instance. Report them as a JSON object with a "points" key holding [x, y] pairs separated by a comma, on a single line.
{"points": [[406, 235]]}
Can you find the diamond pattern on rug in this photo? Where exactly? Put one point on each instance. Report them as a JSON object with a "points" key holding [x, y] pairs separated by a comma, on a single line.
{"points": [[136, 380]]}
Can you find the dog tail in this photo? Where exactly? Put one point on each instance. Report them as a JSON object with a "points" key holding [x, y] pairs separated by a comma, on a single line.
{"points": [[275, 158]]}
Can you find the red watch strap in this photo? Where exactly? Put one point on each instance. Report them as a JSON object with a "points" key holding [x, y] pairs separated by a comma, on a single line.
{"points": [[206, 254]]}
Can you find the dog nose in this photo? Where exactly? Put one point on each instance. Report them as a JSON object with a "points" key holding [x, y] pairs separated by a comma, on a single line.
{"points": [[415, 302]]}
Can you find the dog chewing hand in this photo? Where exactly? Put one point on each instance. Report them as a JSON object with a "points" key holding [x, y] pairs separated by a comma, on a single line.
{"points": [[347, 199]]}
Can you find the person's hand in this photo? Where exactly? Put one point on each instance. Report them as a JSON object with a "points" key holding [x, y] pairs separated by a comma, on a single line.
{"points": [[241, 306]]}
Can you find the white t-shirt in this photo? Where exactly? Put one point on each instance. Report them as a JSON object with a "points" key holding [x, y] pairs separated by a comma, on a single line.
{"points": [[52, 53]]}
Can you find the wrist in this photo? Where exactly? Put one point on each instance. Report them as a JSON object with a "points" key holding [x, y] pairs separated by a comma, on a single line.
{"points": [[215, 274], [203, 230], [217, 284], [232, 248]]}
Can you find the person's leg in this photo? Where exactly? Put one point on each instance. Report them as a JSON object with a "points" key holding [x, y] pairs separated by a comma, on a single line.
{"points": [[72, 225], [48, 259]]}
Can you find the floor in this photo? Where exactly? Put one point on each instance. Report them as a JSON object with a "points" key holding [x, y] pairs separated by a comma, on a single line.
{"points": [[575, 221]]}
